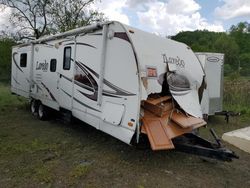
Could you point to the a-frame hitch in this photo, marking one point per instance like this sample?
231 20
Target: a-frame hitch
194 144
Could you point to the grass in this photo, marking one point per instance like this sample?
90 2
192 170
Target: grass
236 95
37 153
8 100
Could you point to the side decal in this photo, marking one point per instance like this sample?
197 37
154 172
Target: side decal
97 34
118 90
81 43
15 80
84 78
122 35
51 95
83 104
13 56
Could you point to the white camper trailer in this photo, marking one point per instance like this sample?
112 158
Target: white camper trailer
212 99
113 77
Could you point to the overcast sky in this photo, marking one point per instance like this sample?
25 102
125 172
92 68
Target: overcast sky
168 17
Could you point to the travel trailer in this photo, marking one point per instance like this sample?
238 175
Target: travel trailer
120 80
212 98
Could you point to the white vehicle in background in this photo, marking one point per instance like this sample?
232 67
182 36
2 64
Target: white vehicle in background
212 99
123 81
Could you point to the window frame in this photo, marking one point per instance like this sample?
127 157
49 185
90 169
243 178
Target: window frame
22 63
65 58
53 61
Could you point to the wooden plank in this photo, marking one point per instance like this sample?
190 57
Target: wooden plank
158 100
143 130
186 121
199 125
170 128
158 138
160 109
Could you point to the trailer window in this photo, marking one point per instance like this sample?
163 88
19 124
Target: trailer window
67 58
23 60
53 65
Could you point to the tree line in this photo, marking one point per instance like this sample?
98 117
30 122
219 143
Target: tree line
235 44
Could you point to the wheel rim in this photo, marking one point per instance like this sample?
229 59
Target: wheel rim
33 108
40 111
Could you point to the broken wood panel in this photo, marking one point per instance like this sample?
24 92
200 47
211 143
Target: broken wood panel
186 121
158 138
158 110
158 100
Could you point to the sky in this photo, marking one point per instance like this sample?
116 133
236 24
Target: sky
168 17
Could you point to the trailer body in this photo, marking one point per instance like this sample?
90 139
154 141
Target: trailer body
112 76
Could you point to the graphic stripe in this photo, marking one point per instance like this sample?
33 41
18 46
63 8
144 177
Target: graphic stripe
118 91
51 95
15 80
81 43
86 105
13 56
122 35
83 104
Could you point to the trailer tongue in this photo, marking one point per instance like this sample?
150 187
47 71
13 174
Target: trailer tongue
170 128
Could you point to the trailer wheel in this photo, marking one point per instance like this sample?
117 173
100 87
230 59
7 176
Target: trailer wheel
33 106
42 112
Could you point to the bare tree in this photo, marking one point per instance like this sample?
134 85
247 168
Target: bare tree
29 15
70 14
39 17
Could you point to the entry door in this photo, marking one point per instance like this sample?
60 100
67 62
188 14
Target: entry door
65 77
22 59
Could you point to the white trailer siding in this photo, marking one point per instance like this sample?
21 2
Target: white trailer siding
99 75
155 53
45 82
20 73
150 51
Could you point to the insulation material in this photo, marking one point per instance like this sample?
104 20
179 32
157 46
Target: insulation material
239 138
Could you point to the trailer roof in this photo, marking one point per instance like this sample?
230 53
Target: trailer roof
81 30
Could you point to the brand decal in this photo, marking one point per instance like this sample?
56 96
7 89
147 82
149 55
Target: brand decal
172 60
151 72
213 59
42 66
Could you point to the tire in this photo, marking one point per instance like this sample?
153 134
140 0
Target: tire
42 112
33 107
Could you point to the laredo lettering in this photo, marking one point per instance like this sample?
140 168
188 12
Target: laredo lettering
177 61
42 66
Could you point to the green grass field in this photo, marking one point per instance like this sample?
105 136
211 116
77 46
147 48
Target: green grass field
237 95
37 153
8 100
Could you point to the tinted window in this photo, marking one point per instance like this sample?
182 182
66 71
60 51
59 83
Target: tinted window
67 58
23 60
53 65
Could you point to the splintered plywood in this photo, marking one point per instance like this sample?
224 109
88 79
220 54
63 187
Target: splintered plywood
159 109
187 121
239 138
158 138
158 100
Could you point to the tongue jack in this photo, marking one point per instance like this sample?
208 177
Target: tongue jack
217 139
